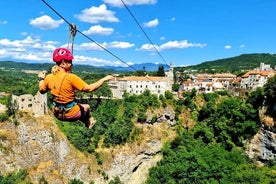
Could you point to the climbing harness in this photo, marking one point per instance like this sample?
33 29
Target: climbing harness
61 109
72 33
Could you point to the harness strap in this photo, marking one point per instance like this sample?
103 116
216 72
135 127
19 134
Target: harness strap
68 106
61 109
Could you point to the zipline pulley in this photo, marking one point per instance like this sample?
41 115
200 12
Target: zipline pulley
72 33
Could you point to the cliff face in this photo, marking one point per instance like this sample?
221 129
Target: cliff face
36 144
262 147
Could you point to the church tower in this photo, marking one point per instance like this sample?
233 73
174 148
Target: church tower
170 77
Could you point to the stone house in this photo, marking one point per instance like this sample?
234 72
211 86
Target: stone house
207 83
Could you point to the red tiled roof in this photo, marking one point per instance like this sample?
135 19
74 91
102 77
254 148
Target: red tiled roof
256 72
137 78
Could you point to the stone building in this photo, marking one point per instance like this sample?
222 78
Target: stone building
36 104
257 77
137 84
206 83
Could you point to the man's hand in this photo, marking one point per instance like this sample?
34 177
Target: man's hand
41 75
108 77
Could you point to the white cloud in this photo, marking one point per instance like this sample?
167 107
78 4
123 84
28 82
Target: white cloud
46 23
24 33
26 49
172 19
171 45
152 23
242 46
228 47
88 46
148 47
97 14
4 22
106 45
163 38
32 49
118 3
99 30
121 45
96 61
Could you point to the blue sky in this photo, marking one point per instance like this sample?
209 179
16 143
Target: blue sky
185 32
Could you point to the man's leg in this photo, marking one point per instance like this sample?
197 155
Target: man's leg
86 117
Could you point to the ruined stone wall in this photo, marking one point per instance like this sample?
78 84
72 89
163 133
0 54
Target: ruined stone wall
3 108
27 102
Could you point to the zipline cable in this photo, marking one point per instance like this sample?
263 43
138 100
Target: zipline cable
89 37
94 40
144 32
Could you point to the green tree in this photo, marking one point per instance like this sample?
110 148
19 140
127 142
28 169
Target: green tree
15 177
160 71
256 98
234 121
175 87
270 96
103 91
12 106
76 181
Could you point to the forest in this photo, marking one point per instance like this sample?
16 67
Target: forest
212 151
235 65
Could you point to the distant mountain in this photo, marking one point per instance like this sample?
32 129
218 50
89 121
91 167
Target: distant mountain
47 66
85 68
242 62
238 63
144 66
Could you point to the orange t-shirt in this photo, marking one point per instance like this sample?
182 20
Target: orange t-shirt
62 86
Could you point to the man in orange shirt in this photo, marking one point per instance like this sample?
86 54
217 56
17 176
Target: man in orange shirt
62 85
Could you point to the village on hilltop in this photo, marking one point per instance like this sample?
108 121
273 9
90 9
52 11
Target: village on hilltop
207 83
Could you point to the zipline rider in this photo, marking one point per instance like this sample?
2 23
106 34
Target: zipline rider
62 85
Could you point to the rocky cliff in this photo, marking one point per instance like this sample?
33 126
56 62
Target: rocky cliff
36 144
262 147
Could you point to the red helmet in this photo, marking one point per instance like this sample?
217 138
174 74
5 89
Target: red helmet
62 53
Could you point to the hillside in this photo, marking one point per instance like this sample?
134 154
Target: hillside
37 145
242 62
82 68
169 145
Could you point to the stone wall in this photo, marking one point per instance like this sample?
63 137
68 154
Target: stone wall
3 108
27 102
